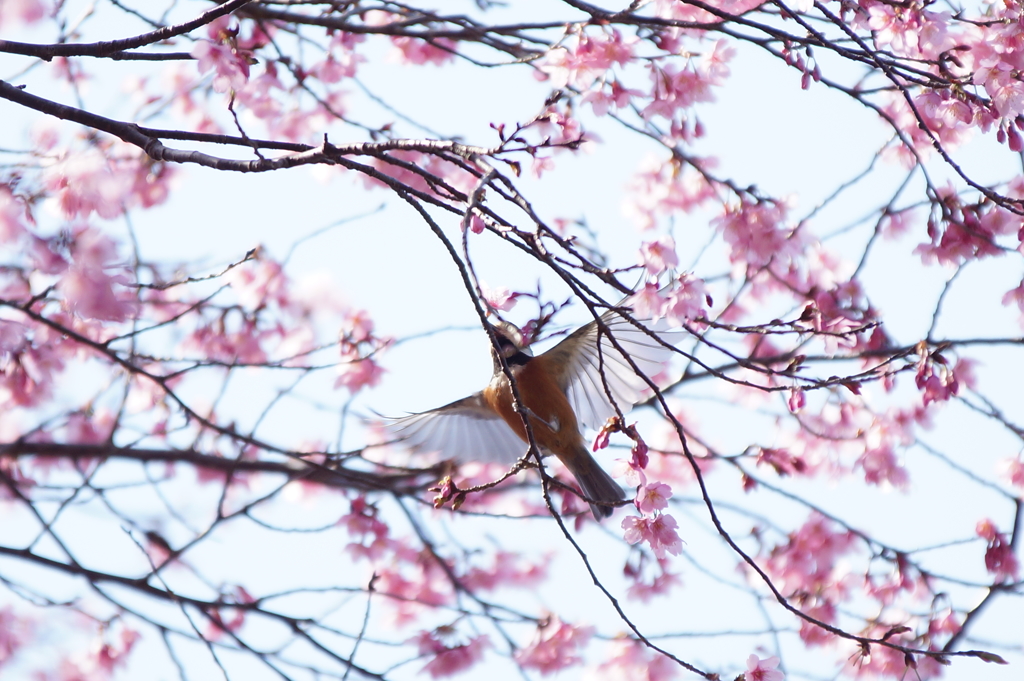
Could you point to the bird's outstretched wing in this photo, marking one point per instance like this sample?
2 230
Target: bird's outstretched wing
588 361
465 430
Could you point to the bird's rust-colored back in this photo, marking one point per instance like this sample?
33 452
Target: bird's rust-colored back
554 425
552 419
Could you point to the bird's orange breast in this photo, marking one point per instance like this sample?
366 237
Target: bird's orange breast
552 419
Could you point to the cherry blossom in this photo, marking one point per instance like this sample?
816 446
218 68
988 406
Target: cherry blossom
631 659
509 569
653 497
759 669
500 298
90 289
659 255
808 560
11 216
1000 559
342 61
415 51
936 378
688 300
21 11
356 373
660 585
588 59
555 646
658 531
449 658
613 94
782 461
880 465
648 302
757 234
223 55
1012 470
86 182
14 633
661 188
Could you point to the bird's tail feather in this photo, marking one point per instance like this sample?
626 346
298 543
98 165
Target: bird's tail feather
596 484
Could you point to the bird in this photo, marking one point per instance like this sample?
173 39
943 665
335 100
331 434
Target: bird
577 383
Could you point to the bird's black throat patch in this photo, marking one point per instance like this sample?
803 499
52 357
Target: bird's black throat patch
518 359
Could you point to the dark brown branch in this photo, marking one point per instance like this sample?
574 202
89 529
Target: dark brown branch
344 478
108 48
304 154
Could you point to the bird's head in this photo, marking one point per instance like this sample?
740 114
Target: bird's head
511 345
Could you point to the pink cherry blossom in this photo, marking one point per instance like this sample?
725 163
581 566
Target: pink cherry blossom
580 64
1012 470
94 284
757 234
82 182
447 656
258 283
763 669
631 659
224 621
880 464
555 646
658 585
612 94
260 96
558 125
886 588
1015 296
648 302
509 569
638 452
229 64
652 496
93 428
28 366
687 300
499 298
438 51
808 560
14 632
662 187
362 518
658 531
935 378
476 224
422 584
356 373
675 88
659 255
630 472
12 216
782 461
823 610
541 164
357 327
21 11
113 655
1002 83
1000 559
342 60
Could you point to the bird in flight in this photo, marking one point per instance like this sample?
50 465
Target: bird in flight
577 383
